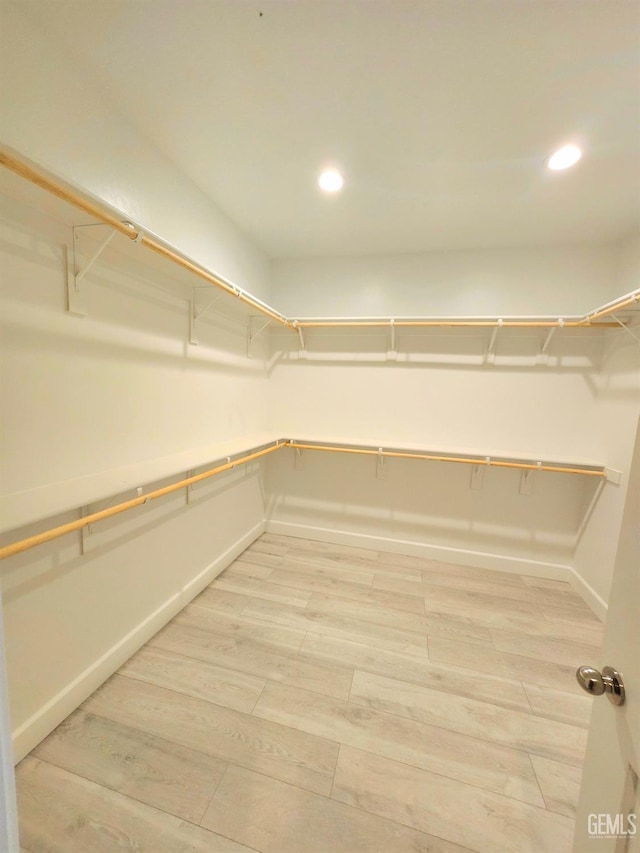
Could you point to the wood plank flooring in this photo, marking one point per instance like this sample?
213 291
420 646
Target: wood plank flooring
324 699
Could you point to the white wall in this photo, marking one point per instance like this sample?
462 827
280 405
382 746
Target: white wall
554 280
115 387
429 509
121 385
81 396
614 422
628 264
55 114
536 411
582 405
541 412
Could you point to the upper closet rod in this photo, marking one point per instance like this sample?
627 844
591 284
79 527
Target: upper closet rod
467 322
570 321
100 210
109 216
78 524
619 304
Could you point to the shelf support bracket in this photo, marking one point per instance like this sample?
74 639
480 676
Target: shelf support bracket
252 335
87 531
301 337
196 313
80 273
527 476
490 355
298 460
381 465
543 355
76 297
188 492
392 354
477 477
193 321
625 327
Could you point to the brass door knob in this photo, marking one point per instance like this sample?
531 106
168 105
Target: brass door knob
596 683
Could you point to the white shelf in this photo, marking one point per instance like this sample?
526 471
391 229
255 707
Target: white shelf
440 450
25 507
27 182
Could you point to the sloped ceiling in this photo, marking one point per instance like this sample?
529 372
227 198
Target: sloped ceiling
440 113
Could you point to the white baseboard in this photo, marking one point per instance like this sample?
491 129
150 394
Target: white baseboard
40 724
588 594
459 556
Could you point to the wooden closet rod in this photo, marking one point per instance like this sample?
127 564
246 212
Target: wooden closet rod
618 305
101 211
523 324
78 524
41 179
430 457
63 529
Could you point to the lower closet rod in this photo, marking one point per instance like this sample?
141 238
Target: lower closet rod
63 529
494 463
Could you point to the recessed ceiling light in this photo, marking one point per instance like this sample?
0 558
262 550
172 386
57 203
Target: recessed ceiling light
331 181
564 157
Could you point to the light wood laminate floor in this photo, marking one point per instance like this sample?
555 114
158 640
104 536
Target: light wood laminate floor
324 699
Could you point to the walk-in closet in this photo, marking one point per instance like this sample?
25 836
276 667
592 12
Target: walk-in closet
319 426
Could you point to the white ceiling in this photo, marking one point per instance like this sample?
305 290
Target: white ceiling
440 113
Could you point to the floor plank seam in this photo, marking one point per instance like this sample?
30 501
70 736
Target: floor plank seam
301 644
431 834
133 799
266 681
206 755
211 798
361 630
